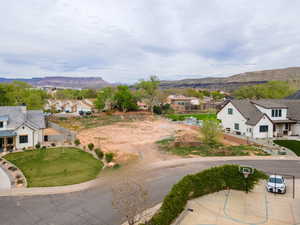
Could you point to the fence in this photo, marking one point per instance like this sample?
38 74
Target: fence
67 135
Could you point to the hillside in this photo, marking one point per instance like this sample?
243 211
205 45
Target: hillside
70 82
238 80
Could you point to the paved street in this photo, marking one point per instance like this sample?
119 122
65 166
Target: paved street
93 206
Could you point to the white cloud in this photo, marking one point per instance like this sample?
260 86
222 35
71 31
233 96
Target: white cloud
127 40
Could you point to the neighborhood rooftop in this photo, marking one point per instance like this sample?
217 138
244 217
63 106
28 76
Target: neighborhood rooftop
18 115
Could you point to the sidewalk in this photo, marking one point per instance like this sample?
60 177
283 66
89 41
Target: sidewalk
4 180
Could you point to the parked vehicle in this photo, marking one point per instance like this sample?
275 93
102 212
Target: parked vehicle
276 184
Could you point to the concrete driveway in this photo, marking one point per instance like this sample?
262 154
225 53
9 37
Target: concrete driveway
4 180
236 208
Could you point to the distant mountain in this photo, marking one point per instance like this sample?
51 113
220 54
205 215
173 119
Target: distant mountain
69 82
238 80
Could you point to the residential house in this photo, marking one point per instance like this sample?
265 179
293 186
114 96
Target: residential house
181 103
266 118
69 106
20 128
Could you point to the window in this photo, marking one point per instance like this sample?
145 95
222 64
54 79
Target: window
230 111
276 113
1 124
46 138
23 139
263 128
236 126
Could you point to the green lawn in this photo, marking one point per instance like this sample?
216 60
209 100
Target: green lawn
202 116
56 166
290 144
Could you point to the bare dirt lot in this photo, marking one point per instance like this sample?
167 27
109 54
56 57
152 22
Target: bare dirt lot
135 138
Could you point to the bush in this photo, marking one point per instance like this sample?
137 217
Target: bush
38 146
109 157
91 146
197 185
99 153
77 142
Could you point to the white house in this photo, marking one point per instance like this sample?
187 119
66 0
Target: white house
20 128
69 106
266 118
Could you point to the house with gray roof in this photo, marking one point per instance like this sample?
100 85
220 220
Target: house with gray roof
266 118
20 128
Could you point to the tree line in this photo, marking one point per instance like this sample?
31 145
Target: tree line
19 93
269 90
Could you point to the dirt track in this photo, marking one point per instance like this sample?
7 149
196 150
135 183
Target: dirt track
134 138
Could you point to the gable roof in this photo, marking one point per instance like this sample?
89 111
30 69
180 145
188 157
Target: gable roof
248 110
18 115
269 103
294 96
253 115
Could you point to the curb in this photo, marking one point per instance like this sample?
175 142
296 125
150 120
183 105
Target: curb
34 191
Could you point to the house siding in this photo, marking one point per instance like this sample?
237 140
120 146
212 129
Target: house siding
269 113
228 121
263 122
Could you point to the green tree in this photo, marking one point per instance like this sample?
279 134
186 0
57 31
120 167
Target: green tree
105 99
124 99
149 91
211 131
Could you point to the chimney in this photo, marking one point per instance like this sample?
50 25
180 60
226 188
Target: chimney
23 108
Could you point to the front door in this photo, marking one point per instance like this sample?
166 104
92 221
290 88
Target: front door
1 144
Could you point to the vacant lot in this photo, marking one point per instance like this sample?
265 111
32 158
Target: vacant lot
56 167
290 144
135 138
81 123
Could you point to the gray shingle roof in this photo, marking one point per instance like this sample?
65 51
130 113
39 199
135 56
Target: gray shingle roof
18 115
248 110
269 103
253 115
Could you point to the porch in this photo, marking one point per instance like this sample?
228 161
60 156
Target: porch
283 128
7 140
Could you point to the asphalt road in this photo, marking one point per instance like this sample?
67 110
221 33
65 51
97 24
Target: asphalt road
93 206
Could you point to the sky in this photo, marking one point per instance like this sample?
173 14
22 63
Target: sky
128 40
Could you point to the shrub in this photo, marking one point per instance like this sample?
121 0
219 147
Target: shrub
91 146
99 153
12 168
44 147
77 142
38 146
20 181
109 157
196 185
